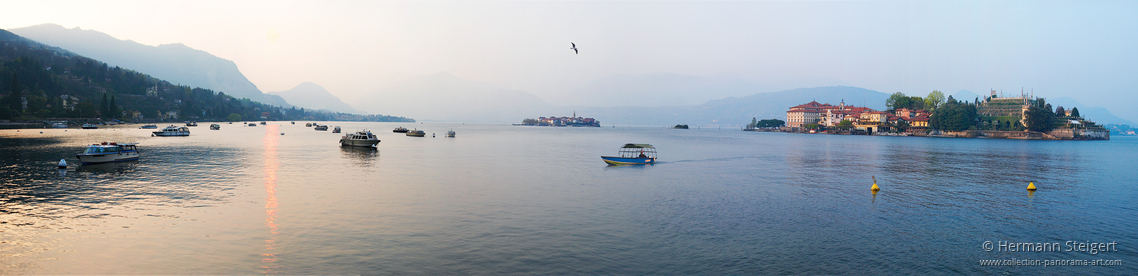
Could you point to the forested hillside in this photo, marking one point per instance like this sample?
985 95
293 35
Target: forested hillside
40 82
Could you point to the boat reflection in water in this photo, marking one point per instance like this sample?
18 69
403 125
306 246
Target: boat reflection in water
360 156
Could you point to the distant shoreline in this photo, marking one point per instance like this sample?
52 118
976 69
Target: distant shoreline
1058 134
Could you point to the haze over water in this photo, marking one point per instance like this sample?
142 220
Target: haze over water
533 200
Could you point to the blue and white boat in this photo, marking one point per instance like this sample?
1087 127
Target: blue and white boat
108 152
173 131
633 154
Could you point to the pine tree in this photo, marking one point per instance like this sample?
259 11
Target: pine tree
113 108
1075 112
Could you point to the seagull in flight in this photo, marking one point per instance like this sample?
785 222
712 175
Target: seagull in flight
574 47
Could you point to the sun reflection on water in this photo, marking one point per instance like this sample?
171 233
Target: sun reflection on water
269 257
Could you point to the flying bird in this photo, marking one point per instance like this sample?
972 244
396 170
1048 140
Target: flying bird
574 47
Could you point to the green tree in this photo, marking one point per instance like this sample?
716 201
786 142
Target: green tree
1039 118
1060 112
86 110
916 103
934 100
233 117
846 125
897 101
754 123
114 109
771 123
953 116
1075 112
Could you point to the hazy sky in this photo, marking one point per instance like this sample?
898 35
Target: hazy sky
1080 49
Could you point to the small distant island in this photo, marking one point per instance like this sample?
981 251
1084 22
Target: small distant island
562 121
680 127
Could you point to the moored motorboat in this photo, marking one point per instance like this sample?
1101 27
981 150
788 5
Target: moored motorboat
252 124
400 130
321 127
633 154
450 134
191 123
336 129
308 125
173 131
359 139
215 127
149 126
262 123
416 133
108 152
90 126
59 125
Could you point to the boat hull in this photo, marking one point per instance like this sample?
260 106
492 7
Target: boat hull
628 161
171 134
87 159
358 143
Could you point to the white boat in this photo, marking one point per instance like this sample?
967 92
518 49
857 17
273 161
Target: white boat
336 129
173 131
108 152
450 134
90 126
359 139
148 126
59 125
321 127
215 127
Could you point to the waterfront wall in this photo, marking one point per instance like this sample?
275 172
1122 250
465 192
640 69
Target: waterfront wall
1080 134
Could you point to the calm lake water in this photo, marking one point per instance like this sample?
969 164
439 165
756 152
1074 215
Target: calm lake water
502 199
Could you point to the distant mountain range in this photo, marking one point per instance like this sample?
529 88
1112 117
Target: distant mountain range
734 111
175 63
313 96
444 97
656 90
660 99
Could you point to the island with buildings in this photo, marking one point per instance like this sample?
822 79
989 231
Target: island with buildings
562 121
995 116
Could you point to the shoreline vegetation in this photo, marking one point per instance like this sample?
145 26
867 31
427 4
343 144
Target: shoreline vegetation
996 116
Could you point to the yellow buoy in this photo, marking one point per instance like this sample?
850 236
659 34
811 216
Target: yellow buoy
874 188
1031 186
